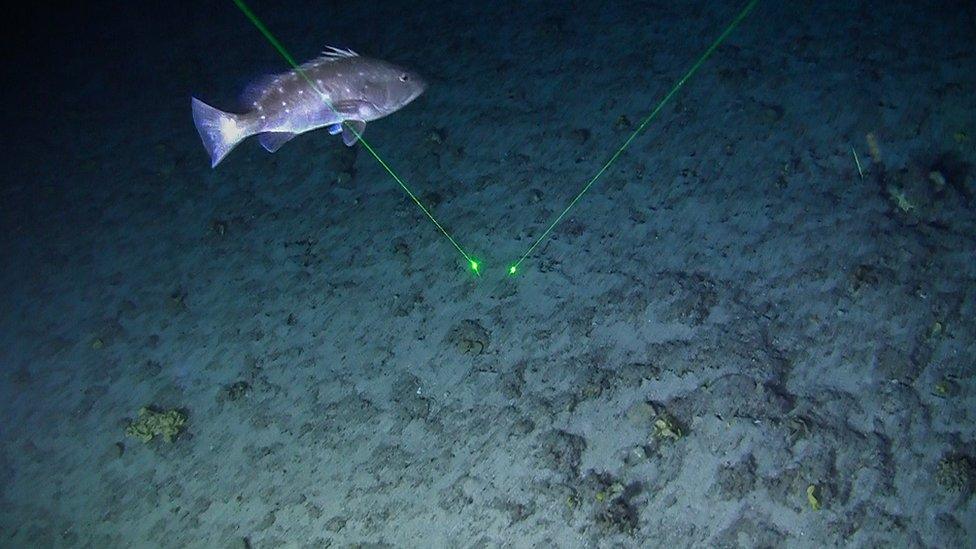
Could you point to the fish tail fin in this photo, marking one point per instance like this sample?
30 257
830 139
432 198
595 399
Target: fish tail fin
220 131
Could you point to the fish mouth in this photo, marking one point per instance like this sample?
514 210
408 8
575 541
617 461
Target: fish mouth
421 88
415 93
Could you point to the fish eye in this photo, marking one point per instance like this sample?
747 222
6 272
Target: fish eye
404 78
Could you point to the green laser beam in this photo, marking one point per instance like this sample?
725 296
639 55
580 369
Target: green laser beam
694 68
857 161
472 264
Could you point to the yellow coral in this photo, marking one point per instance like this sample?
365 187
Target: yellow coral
901 200
813 497
151 423
873 149
666 428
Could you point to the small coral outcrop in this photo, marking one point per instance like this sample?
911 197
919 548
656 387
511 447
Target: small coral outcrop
152 423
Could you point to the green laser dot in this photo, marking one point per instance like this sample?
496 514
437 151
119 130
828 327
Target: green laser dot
474 265
511 270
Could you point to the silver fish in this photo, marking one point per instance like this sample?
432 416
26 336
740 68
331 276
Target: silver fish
340 90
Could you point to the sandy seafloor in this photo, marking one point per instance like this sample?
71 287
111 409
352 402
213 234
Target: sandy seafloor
348 383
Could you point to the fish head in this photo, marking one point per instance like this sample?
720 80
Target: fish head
390 87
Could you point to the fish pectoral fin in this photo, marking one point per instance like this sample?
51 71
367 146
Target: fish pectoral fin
347 108
272 141
352 130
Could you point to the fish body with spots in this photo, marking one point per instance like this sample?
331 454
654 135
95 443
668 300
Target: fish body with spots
341 91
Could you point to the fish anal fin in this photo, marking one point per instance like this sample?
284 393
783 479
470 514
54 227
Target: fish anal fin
272 141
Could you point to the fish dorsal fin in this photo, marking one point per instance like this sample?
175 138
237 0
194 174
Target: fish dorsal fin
256 89
338 53
330 55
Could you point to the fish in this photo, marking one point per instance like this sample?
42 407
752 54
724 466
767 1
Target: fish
340 90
